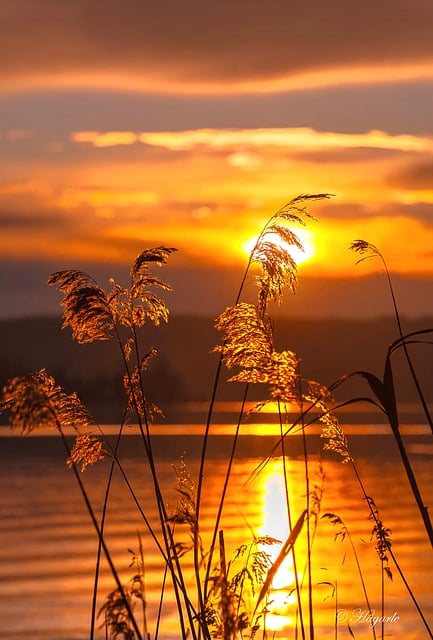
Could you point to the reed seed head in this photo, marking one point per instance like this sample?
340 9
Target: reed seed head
321 397
87 450
248 344
35 400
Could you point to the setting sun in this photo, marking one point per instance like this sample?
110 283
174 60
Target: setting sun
305 237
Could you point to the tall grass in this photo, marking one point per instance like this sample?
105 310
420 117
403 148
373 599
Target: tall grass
229 596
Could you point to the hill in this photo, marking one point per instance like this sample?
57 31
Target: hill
185 367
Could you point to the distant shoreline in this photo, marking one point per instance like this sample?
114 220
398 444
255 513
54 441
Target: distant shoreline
174 445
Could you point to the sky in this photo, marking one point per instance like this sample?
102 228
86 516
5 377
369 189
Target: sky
188 123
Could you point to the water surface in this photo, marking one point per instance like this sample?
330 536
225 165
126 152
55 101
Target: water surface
48 545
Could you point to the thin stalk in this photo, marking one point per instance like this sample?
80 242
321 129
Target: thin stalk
241 590
290 523
298 421
136 501
388 407
414 485
405 349
101 538
387 403
102 526
371 251
310 581
308 505
200 480
161 601
382 600
391 553
223 581
146 634
224 490
336 612
141 512
177 577
361 577
203 453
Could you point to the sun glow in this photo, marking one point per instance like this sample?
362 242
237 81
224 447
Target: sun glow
305 237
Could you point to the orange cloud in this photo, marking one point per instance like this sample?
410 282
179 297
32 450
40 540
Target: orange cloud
289 138
109 139
242 141
416 176
184 45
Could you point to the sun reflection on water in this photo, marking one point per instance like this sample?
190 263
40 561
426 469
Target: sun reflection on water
281 605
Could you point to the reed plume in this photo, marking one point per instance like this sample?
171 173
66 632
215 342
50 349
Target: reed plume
35 401
93 313
248 345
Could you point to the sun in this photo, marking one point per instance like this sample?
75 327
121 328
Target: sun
305 237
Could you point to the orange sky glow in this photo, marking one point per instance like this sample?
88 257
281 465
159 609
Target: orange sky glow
209 191
196 146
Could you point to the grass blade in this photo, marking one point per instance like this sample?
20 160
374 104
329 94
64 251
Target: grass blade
285 550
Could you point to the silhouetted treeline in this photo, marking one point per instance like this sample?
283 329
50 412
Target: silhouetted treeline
184 368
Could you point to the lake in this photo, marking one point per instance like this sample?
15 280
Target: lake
48 545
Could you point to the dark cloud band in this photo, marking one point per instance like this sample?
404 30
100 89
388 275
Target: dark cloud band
195 42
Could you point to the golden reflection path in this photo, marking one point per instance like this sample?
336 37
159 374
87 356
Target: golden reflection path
280 614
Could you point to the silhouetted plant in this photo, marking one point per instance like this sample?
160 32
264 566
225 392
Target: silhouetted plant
341 534
369 251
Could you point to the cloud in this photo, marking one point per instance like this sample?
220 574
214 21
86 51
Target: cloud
288 138
311 140
91 222
417 211
32 222
333 210
397 108
104 196
416 177
109 139
25 209
421 211
207 46
347 155
245 160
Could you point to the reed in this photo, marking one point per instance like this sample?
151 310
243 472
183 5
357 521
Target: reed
230 595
